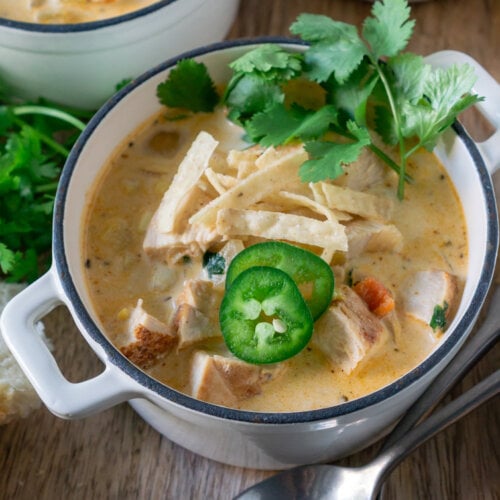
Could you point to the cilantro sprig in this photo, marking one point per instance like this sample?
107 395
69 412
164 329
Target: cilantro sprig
35 140
364 86
189 86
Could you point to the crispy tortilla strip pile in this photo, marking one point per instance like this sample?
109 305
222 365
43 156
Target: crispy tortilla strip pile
254 195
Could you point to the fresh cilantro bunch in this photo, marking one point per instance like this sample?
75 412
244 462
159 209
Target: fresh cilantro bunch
35 140
362 85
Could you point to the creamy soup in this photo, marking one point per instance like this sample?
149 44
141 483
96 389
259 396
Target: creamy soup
158 303
68 11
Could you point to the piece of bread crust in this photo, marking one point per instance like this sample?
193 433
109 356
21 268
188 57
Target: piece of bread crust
17 396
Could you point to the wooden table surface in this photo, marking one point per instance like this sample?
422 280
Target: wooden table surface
115 454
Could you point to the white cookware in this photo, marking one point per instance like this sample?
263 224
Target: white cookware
81 64
241 438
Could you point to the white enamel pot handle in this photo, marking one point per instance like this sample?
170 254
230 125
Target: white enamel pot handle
485 86
63 398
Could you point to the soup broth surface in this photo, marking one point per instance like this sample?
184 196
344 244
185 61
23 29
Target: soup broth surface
68 11
119 272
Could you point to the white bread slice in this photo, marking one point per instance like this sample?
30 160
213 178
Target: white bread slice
17 396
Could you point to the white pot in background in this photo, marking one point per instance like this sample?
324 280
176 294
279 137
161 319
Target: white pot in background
81 64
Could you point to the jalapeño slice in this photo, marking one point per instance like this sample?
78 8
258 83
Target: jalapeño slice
263 316
311 273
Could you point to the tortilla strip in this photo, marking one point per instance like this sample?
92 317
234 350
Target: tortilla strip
327 254
317 192
298 200
190 170
270 155
319 197
279 226
244 161
270 178
365 205
220 182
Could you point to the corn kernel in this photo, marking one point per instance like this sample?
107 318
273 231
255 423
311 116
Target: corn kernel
123 314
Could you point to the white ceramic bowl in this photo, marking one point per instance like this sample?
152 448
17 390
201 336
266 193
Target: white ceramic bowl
81 64
242 438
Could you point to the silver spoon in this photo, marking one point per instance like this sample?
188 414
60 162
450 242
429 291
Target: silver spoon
321 482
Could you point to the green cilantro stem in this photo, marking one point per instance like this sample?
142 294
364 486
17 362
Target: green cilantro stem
53 112
377 151
47 188
413 149
397 126
390 162
58 148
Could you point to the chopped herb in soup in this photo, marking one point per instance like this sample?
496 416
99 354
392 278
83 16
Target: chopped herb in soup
225 264
68 11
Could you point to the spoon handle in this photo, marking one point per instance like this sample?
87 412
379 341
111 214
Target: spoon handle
442 418
475 348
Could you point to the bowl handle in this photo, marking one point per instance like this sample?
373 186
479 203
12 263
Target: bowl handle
485 86
63 398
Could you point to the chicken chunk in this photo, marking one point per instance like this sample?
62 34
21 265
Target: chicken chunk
148 338
372 236
348 332
354 202
225 380
364 173
172 247
197 313
425 291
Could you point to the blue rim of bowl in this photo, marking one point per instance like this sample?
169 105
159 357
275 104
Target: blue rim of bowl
87 26
144 380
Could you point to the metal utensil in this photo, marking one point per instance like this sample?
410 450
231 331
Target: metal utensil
321 482
477 346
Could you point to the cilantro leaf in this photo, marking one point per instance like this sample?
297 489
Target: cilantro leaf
25 268
339 58
327 158
318 28
438 320
406 74
257 80
447 93
335 47
409 74
7 259
384 125
250 95
189 86
445 87
389 30
351 97
214 263
279 125
270 62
